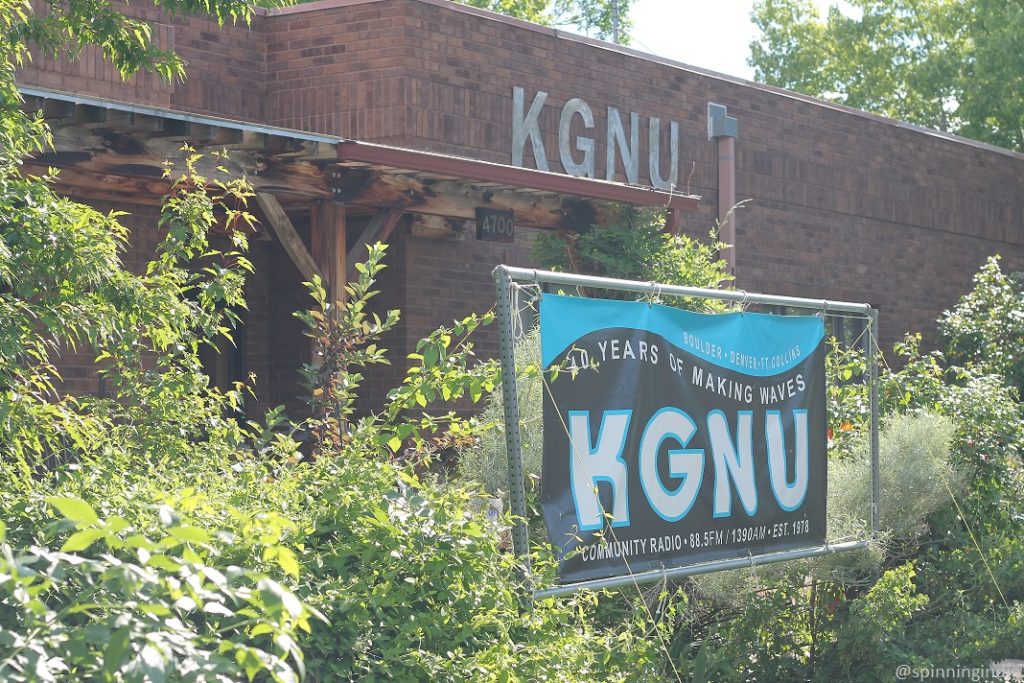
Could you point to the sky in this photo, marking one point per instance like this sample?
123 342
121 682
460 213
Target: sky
711 34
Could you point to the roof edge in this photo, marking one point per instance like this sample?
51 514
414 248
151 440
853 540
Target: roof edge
103 103
561 34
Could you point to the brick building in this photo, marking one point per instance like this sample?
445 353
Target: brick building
462 107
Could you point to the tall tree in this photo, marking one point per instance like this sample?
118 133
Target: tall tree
597 17
953 65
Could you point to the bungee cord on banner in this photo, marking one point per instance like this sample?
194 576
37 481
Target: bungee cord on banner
510 312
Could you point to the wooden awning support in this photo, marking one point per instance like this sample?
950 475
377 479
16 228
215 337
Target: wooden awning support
379 229
329 228
116 151
290 240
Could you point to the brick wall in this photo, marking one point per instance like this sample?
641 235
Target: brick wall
339 71
225 66
841 204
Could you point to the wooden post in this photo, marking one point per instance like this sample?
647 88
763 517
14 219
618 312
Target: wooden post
329 246
379 230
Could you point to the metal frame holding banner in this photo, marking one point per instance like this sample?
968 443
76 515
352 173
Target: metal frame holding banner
676 443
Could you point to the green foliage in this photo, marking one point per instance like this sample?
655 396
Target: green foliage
985 331
485 462
417 588
589 16
874 639
410 574
948 65
171 600
917 477
64 287
848 409
114 603
635 246
344 338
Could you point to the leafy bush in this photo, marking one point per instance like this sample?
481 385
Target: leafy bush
141 608
917 474
633 245
485 461
874 639
986 328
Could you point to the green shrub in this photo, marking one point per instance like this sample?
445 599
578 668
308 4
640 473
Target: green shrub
985 330
874 639
485 462
633 245
917 476
114 603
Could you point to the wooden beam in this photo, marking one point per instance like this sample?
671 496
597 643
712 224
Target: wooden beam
104 187
379 229
673 221
58 109
488 172
329 229
290 240
368 187
141 151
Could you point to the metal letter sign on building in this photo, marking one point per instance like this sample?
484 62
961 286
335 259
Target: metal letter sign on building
526 128
673 438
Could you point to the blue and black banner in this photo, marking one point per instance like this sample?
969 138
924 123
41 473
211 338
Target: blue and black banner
673 438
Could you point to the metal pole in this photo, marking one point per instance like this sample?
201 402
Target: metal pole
876 477
724 130
679 572
513 440
737 296
727 198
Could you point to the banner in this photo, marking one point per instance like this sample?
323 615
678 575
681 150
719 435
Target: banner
673 438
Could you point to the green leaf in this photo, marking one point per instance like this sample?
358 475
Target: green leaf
260 629
140 541
74 509
80 540
160 561
189 534
287 561
113 655
380 515
116 524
